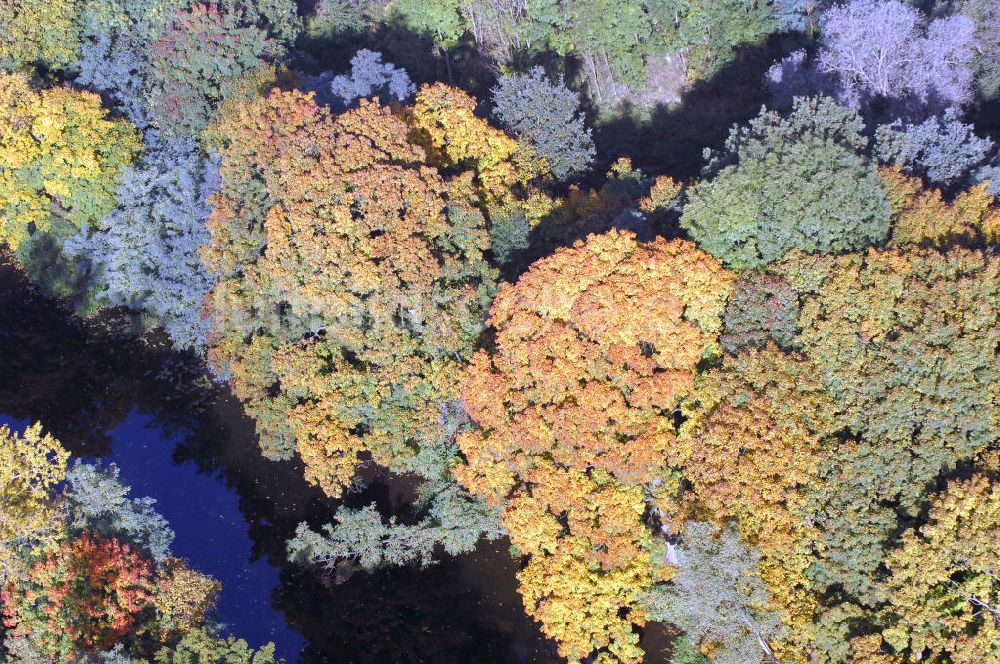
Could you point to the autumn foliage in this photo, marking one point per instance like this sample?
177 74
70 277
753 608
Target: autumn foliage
352 278
60 157
443 121
762 405
197 62
923 218
907 346
183 597
83 568
751 450
595 347
44 32
944 587
88 594
32 465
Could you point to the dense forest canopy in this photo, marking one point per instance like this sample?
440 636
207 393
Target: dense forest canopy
696 305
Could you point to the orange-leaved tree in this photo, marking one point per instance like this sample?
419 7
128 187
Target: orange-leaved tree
87 595
353 284
595 347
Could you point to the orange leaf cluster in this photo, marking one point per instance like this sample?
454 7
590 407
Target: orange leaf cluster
595 347
662 195
353 284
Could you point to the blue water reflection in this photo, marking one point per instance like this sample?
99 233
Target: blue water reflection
211 532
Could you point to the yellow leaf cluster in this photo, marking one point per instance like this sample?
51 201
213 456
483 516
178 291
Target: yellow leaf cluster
238 93
38 32
59 156
31 465
583 607
870 649
184 596
443 120
944 587
923 218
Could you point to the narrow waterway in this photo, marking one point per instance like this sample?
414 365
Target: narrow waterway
180 439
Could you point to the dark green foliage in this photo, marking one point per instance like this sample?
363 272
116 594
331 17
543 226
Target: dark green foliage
686 652
618 43
762 307
709 31
835 625
509 234
280 18
796 182
57 272
547 114
333 20
800 15
438 20
624 36
613 37
986 63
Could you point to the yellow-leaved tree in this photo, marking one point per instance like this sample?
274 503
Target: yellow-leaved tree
31 465
944 588
444 122
921 217
60 158
38 32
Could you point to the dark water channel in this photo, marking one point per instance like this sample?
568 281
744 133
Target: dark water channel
110 397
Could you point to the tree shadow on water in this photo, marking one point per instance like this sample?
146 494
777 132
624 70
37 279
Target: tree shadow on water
83 377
